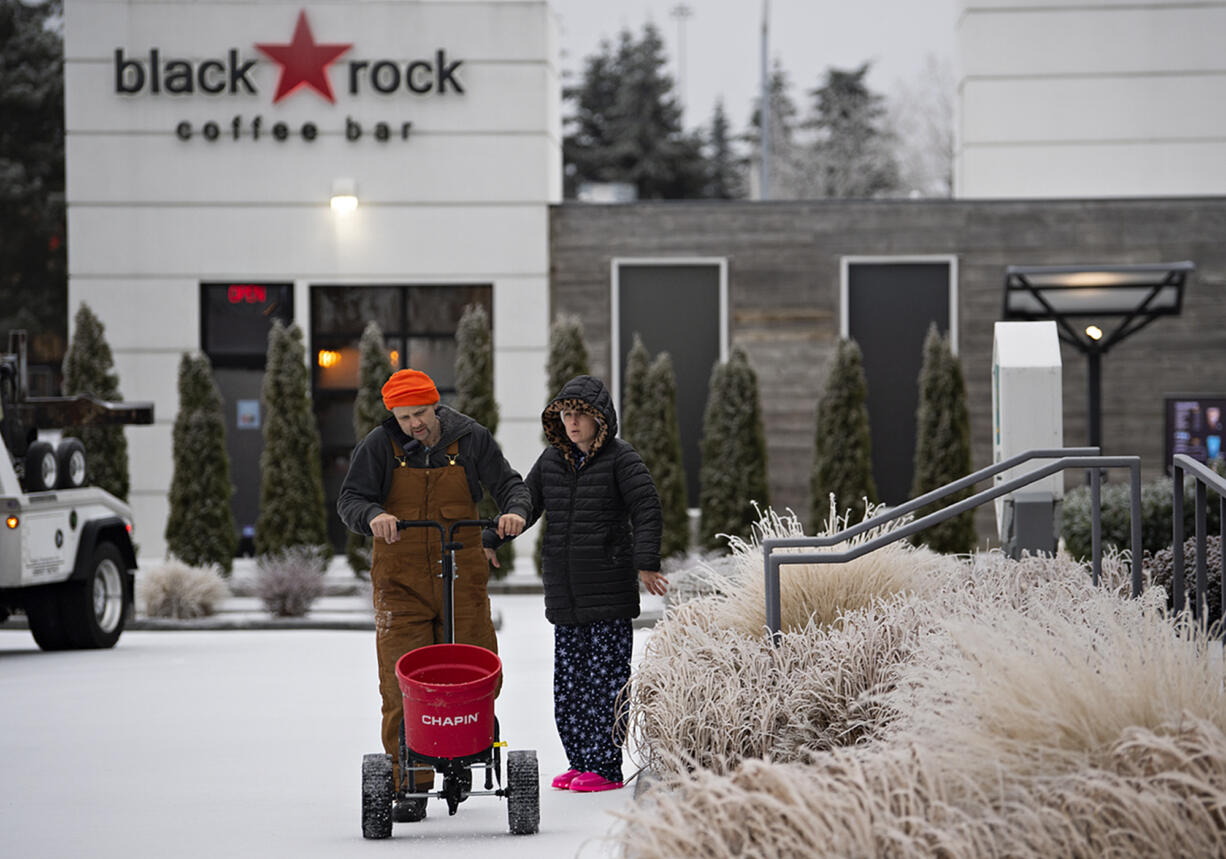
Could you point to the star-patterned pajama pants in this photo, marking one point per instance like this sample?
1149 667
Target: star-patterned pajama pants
591 664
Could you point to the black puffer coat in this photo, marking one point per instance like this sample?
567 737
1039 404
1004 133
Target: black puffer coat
591 553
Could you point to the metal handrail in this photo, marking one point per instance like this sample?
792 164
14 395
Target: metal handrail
1205 478
1094 463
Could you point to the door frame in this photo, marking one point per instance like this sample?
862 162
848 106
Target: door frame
846 262
615 265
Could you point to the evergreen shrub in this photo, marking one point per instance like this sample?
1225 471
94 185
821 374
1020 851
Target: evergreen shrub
842 454
200 527
1157 516
89 369
291 476
733 473
474 372
374 368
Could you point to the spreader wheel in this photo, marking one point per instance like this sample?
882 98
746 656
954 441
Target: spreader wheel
377 791
523 793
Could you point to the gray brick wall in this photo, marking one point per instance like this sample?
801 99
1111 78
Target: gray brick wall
783 271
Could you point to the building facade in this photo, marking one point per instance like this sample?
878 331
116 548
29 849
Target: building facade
205 141
1092 98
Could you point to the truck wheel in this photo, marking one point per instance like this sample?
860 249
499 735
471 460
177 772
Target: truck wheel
377 796
85 615
524 796
42 470
70 457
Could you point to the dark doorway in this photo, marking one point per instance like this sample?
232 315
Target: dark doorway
676 308
234 322
888 308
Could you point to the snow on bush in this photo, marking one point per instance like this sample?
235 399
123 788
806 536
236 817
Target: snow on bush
958 707
290 580
178 590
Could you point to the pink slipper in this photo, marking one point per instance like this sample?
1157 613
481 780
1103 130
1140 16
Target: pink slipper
592 782
562 782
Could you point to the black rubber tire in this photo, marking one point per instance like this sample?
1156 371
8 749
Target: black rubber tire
84 615
70 457
377 794
42 469
524 792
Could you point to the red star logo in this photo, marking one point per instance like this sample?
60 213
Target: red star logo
304 62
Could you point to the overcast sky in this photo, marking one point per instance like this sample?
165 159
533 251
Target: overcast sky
722 42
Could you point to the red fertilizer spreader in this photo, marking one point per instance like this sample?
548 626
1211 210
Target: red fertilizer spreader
449 725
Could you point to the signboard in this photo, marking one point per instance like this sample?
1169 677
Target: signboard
1194 426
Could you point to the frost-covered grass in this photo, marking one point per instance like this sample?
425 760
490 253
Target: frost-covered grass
289 581
930 706
178 590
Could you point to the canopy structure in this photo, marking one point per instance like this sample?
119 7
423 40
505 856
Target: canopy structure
1095 307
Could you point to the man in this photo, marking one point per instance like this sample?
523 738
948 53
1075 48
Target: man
427 461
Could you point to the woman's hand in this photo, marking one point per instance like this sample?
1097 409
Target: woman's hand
655 582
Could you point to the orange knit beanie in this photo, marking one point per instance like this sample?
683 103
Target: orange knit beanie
409 388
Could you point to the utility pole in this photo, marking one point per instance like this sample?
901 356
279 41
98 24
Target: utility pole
681 12
764 110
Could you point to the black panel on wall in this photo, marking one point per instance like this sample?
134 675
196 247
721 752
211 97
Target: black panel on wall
889 309
675 309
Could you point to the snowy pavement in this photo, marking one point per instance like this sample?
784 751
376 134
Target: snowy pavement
249 743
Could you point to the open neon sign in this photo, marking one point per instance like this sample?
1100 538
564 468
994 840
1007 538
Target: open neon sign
247 293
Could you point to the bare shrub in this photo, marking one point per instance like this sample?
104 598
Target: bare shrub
290 580
178 590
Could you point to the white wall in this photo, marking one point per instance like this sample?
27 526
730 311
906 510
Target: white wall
1093 98
463 200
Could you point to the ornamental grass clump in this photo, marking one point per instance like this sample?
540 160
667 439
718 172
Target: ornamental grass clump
1013 709
290 580
178 590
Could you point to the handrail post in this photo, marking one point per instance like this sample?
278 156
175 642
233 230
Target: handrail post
1096 526
770 568
1134 472
1202 577
1181 601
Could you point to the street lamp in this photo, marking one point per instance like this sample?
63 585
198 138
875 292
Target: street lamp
1094 296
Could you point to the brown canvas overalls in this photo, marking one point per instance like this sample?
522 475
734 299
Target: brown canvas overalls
408 588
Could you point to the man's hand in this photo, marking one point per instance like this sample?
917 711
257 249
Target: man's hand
655 582
491 556
384 526
510 525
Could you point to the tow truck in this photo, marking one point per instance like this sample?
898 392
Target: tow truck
66 554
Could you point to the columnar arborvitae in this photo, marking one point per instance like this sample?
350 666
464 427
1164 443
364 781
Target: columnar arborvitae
842 451
567 358
374 368
474 380
200 527
943 443
733 448
89 369
291 479
660 448
634 394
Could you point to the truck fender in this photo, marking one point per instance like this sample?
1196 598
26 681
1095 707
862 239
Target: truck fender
110 529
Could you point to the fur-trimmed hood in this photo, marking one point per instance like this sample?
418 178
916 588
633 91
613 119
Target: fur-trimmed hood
582 393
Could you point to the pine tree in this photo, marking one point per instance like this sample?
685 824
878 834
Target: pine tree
854 156
200 528
374 368
633 417
567 358
474 373
725 169
33 279
291 479
733 447
943 443
660 448
842 453
626 125
89 369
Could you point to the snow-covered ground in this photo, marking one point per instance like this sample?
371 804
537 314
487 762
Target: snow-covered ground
249 743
